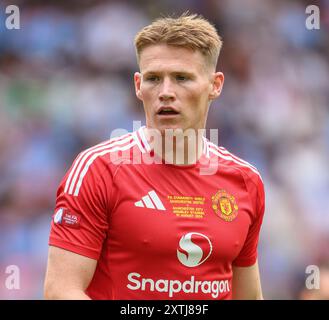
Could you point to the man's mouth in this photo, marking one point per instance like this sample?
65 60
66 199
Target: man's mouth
167 111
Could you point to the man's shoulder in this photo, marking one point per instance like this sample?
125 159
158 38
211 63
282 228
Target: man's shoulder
109 151
229 159
91 163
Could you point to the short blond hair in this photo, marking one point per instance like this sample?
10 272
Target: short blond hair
188 31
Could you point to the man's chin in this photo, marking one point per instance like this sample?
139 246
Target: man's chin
169 127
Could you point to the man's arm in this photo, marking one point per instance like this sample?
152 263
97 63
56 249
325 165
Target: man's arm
68 275
246 283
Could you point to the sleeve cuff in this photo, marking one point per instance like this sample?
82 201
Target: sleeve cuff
87 252
246 262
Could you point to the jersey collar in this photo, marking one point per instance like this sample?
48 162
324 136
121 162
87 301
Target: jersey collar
145 147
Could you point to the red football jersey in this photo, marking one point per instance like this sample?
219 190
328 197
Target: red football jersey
159 231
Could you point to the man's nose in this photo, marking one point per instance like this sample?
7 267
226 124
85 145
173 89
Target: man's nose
166 90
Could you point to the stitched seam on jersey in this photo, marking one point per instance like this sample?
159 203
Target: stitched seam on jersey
82 156
144 139
218 153
259 198
114 177
138 142
206 147
235 159
79 176
109 208
225 152
89 163
85 160
98 180
235 165
239 167
256 185
244 180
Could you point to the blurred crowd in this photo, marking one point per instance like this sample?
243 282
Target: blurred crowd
66 82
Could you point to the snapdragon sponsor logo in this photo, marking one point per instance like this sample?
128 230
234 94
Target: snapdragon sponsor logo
194 249
172 287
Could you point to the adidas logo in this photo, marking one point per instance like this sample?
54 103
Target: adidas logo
150 201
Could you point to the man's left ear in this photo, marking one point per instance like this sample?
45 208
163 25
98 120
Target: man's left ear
217 85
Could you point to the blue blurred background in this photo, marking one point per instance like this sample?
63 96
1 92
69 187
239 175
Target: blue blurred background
66 82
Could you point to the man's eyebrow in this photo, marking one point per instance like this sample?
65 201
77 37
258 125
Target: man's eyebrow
146 73
151 72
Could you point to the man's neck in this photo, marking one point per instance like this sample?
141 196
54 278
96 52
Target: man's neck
175 146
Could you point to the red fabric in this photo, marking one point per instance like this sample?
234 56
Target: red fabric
149 253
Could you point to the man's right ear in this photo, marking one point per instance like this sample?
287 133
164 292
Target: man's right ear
137 82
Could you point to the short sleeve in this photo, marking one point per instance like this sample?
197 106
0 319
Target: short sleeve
80 220
248 254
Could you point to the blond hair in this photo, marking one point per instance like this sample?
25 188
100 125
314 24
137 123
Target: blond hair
189 31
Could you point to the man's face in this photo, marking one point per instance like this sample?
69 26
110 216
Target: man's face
176 87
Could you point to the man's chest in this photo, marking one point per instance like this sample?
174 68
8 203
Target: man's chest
168 212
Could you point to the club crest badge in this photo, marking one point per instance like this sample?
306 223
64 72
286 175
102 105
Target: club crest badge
224 205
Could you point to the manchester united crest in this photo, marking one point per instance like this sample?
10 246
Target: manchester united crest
224 205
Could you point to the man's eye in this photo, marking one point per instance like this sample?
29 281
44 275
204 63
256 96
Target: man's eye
152 78
181 78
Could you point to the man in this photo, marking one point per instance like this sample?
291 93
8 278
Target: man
136 219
